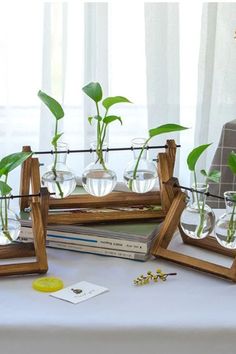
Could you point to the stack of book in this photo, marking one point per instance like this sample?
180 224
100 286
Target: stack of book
131 240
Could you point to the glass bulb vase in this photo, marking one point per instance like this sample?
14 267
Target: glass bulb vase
59 179
9 225
140 174
97 178
225 229
198 219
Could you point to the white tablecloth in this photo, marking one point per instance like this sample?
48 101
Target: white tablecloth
189 313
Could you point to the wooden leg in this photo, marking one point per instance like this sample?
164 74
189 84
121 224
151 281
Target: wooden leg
25 180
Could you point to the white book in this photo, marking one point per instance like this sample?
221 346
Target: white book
98 251
26 234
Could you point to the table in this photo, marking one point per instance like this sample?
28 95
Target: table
189 313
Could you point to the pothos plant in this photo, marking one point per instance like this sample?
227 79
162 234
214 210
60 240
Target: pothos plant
231 230
8 164
162 129
213 175
94 91
58 113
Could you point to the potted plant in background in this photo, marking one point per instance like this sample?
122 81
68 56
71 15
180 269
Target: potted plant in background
225 229
58 179
9 223
98 179
140 174
198 219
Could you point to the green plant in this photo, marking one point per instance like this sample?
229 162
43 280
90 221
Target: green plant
162 129
232 223
8 164
94 91
213 176
57 111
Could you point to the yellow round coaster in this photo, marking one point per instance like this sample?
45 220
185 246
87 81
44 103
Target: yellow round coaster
47 284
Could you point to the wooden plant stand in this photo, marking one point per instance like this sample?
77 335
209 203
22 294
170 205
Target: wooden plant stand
119 205
36 249
177 200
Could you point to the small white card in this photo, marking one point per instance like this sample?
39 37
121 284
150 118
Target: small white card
79 292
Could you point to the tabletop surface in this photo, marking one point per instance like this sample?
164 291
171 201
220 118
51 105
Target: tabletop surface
191 310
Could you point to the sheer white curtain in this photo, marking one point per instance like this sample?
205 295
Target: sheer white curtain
162 66
131 49
217 74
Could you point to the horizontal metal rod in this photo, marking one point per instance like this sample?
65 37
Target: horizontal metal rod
107 149
23 196
208 194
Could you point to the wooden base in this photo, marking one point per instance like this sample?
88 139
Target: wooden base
37 249
169 226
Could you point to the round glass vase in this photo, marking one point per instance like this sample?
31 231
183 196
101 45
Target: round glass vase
97 178
140 174
225 229
59 179
9 224
197 219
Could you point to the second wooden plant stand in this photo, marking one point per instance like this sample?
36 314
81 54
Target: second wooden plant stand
177 200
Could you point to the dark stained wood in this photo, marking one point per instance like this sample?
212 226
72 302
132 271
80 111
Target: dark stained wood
114 199
169 225
25 180
35 178
95 217
44 205
21 250
16 250
39 238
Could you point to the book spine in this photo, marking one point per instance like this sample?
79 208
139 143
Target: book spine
97 250
83 239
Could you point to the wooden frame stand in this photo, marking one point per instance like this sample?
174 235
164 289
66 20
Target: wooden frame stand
171 223
22 250
119 205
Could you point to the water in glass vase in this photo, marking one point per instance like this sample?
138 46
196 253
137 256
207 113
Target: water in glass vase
9 227
59 179
225 229
198 219
142 183
140 174
97 179
62 183
99 182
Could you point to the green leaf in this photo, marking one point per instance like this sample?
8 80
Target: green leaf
94 91
56 138
110 119
4 188
233 197
99 118
232 162
90 120
214 176
194 156
10 162
110 101
52 104
166 128
204 173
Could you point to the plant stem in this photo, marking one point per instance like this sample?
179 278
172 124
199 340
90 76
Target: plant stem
5 204
101 133
55 163
130 183
231 227
200 208
4 218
